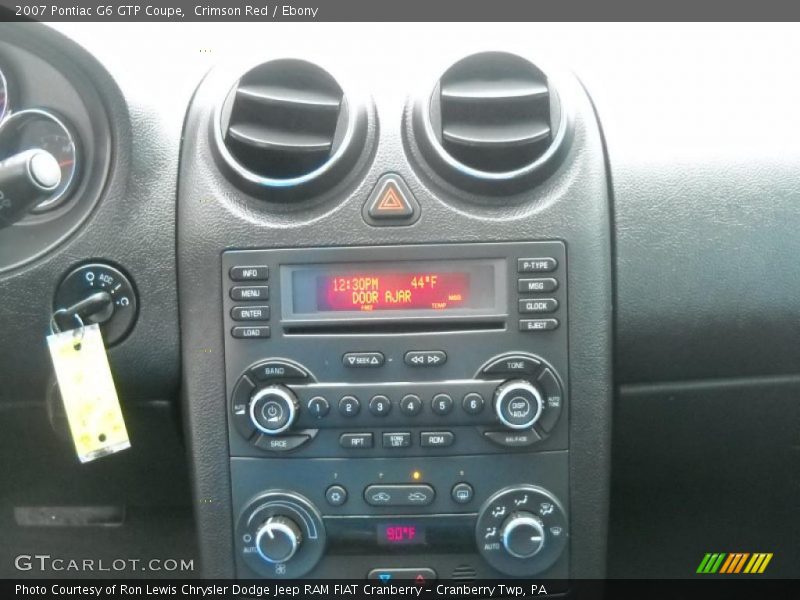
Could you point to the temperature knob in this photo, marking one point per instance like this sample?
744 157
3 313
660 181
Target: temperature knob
518 404
522 531
278 539
273 409
522 535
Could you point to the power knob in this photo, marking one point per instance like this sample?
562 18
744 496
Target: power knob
278 539
273 409
522 535
518 404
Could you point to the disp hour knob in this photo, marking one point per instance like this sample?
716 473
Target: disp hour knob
273 409
518 404
522 535
278 539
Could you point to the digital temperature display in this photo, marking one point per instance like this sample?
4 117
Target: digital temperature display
400 534
393 290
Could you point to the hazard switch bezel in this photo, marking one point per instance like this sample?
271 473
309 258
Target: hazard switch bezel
389 218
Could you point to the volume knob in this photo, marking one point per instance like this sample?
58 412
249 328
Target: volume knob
273 409
278 539
518 404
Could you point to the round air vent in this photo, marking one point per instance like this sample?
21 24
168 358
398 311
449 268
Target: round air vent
287 124
493 119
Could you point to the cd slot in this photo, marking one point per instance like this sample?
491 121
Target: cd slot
377 328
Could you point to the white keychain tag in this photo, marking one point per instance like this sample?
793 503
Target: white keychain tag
87 390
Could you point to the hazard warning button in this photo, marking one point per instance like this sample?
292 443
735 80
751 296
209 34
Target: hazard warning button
391 203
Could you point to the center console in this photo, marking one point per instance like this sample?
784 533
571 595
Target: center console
396 320
410 404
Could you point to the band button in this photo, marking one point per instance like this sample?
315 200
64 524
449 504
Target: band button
272 370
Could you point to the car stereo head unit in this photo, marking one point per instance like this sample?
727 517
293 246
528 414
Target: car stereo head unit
424 394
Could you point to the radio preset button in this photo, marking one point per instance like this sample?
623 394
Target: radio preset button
250 292
250 313
349 406
399 495
410 405
284 443
425 358
397 440
336 495
272 370
355 441
255 273
250 333
442 404
462 493
538 285
473 403
318 407
538 324
536 265
436 439
543 305
362 360
380 406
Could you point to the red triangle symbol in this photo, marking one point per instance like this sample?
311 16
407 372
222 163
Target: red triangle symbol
390 200
419 579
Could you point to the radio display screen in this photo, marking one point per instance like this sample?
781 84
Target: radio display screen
393 290
456 287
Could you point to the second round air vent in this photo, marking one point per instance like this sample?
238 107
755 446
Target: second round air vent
287 124
494 119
